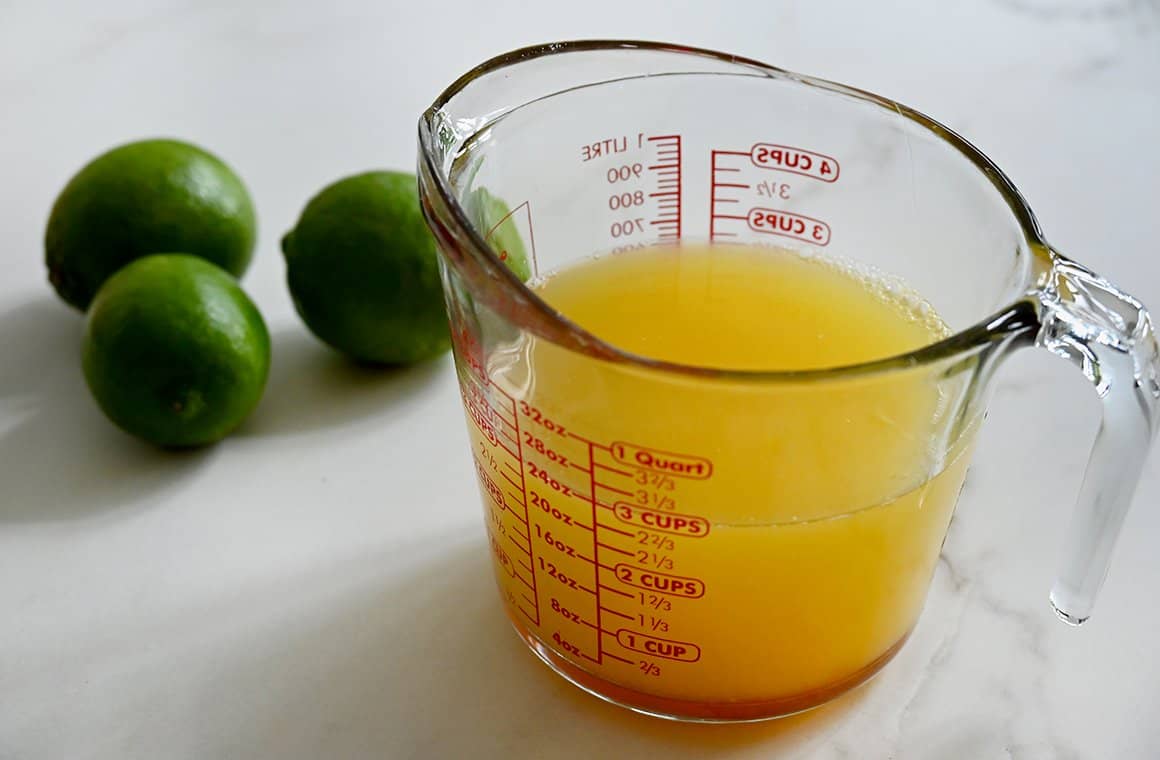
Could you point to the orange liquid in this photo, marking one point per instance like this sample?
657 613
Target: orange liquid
705 547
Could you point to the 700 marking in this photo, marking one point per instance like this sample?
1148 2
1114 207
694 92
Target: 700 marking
627 227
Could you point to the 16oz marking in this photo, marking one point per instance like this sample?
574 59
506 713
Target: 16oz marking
539 445
554 542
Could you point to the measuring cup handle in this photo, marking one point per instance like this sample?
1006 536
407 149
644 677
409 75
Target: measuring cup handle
1108 335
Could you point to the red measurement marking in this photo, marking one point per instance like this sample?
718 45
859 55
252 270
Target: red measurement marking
720 189
613 548
588 441
614 530
505 448
527 208
787 158
675 585
682 651
616 612
522 486
667 522
667 462
617 591
788 224
625 473
595 551
614 489
617 657
667 171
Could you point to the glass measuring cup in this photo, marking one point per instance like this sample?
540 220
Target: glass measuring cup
716 544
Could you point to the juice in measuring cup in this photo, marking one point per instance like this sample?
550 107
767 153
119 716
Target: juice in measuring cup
695 546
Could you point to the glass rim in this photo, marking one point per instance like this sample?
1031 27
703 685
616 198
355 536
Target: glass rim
991 328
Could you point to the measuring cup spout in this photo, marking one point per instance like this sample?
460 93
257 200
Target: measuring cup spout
1107 334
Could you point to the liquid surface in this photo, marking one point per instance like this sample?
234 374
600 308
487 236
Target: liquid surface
742 307
726 549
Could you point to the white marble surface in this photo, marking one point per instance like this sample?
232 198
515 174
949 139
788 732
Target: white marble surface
303 591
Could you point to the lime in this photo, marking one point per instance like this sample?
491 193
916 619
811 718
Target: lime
174 352
363 272
493 219
146 197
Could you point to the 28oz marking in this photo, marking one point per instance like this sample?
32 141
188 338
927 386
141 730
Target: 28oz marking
539 445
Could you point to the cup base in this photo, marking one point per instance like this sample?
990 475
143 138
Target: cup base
703 712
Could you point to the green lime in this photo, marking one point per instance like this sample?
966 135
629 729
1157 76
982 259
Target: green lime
494 220
363 272
146 197
174 351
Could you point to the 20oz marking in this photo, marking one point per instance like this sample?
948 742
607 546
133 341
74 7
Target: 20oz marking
543 503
